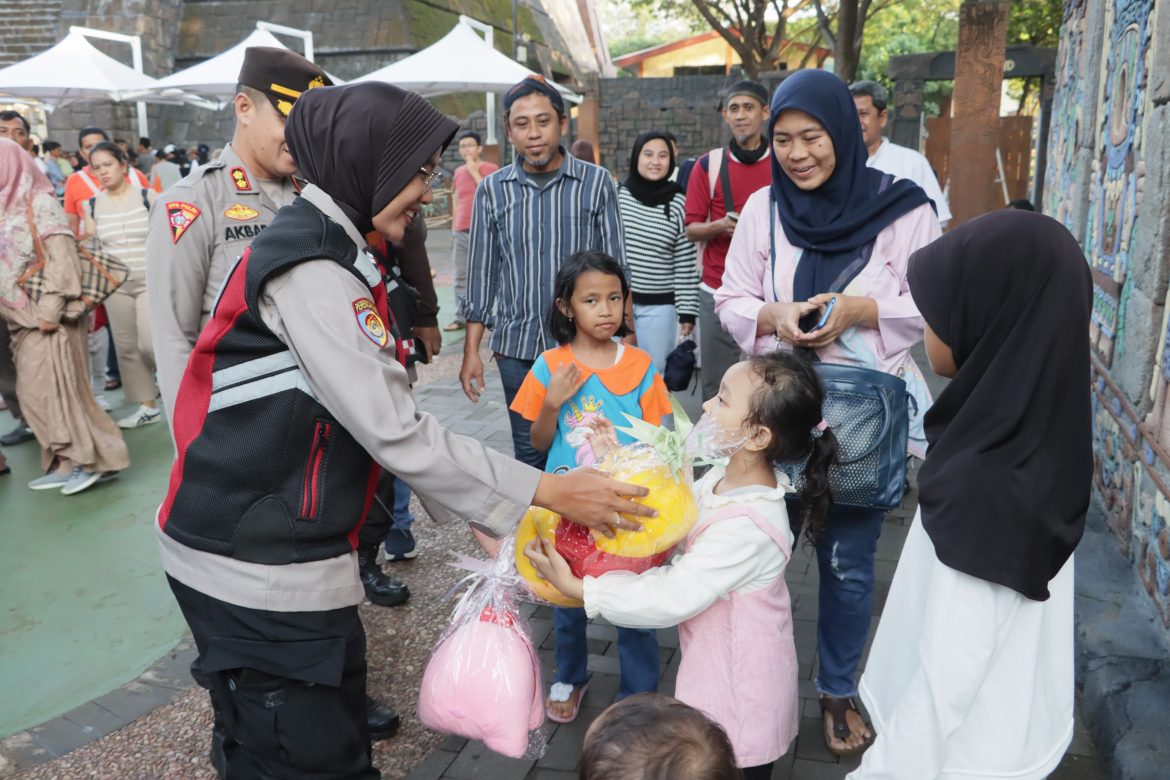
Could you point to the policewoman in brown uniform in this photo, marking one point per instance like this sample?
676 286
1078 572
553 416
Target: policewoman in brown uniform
292 403
201 225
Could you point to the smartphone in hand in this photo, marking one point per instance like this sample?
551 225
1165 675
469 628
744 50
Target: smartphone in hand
825 317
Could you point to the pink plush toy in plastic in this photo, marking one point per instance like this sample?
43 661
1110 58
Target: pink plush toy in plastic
483 679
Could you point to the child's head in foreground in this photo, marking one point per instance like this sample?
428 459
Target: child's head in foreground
649 736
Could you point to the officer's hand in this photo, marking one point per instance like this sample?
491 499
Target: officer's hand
588 497
471 375
430 338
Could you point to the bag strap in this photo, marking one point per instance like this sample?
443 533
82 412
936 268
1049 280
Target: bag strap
725 181
38 247
714 166
145 198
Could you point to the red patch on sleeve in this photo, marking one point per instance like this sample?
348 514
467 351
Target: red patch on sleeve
181 215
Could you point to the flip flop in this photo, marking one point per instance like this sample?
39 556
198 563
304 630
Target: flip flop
558 690
838 707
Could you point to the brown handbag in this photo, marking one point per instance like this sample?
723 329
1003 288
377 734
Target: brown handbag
101 273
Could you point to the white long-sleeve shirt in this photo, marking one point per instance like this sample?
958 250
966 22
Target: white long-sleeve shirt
905 163
732 555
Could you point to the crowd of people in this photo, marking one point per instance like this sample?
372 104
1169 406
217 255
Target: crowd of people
261 316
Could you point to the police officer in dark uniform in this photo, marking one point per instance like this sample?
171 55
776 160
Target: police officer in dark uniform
200 226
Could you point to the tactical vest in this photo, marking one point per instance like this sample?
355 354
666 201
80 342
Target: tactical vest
264 472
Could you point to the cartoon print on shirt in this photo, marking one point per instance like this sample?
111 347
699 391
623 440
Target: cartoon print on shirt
577 421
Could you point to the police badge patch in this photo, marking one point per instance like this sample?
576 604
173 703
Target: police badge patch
181 215
370 323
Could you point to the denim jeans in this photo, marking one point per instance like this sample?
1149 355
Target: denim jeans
403 519
845 559
512 373
460 243
657 328
637 651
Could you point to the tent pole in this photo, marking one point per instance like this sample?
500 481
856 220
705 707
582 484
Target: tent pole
489 97
306 36
136 55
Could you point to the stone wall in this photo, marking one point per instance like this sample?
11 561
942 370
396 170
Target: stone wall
1108 175
684 105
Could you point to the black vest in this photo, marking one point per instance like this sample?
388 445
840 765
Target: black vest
264 472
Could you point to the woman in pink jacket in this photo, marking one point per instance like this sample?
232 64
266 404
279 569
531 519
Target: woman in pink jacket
829 227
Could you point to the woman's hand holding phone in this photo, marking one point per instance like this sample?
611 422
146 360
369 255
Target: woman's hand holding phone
838 314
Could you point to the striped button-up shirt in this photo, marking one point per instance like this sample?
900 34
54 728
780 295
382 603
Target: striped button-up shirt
520 234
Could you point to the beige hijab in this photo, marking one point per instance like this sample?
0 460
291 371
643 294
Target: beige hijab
22 185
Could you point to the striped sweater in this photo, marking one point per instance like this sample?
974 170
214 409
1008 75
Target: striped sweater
662 261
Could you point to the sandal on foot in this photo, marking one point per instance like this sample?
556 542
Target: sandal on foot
838 707
561 693
454 326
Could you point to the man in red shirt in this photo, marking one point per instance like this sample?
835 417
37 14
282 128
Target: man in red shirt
719 186
84 184
467 178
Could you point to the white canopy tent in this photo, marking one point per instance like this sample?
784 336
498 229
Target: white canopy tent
217 77
72 71
460 61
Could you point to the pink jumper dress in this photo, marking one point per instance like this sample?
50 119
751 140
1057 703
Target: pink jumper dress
739 659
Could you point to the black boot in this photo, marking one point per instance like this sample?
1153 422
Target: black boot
382 720
218 756
380 589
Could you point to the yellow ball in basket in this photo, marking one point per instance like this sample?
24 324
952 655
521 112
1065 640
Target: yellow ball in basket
539 521
677 512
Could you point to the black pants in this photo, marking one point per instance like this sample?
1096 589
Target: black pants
288 687
380 519
760 772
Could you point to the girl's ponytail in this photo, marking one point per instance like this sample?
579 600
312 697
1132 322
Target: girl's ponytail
815 495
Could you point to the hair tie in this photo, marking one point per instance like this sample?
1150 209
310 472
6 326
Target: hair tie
819 429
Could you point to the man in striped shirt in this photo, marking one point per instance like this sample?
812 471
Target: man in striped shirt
527 218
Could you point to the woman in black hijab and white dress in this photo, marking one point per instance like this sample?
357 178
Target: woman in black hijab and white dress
971 671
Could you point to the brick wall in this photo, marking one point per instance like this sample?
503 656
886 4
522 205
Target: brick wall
29 27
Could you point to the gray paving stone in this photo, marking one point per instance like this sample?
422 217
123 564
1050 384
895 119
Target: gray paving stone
476 762
135 699
564 749
432 767
94 720
59 736
604 664
803 769
550 774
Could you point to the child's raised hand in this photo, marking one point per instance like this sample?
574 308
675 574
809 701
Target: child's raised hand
603 438
563 385
553 567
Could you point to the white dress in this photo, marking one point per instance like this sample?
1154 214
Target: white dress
967 680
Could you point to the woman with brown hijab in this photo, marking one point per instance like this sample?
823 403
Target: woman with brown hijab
971 671
79 442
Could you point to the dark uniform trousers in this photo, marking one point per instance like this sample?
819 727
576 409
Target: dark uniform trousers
380 520
288 687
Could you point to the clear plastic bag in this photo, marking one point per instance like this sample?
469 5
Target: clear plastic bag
661 460
483 679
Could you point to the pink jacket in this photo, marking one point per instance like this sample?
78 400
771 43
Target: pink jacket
749 282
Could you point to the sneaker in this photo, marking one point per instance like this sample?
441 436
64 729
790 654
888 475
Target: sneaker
399 545
79 480
143 415
103 402
18 435
51 481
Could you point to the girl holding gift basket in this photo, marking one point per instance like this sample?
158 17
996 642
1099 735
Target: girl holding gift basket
726 590
590 377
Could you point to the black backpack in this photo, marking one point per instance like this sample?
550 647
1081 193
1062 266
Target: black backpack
680 366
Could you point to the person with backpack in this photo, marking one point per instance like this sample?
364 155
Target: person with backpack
83 184
118 217
718 187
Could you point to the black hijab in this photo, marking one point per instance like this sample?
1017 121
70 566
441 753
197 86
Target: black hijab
651 193
1005 486
361 143
836 223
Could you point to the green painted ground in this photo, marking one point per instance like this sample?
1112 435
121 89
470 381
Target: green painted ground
84 607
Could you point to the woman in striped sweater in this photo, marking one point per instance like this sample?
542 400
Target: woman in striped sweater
665 277
118 216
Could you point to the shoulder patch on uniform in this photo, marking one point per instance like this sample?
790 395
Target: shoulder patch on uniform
370 323
180 215
240 179
240 212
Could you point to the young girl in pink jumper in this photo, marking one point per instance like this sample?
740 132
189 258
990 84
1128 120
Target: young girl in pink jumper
726 590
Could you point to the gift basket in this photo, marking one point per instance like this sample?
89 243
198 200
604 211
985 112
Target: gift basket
659 459
483 678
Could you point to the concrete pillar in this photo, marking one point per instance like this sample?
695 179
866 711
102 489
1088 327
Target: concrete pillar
975 129
589 118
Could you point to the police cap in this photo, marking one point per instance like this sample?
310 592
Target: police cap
282 75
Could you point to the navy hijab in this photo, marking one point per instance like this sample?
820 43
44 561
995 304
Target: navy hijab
836 223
